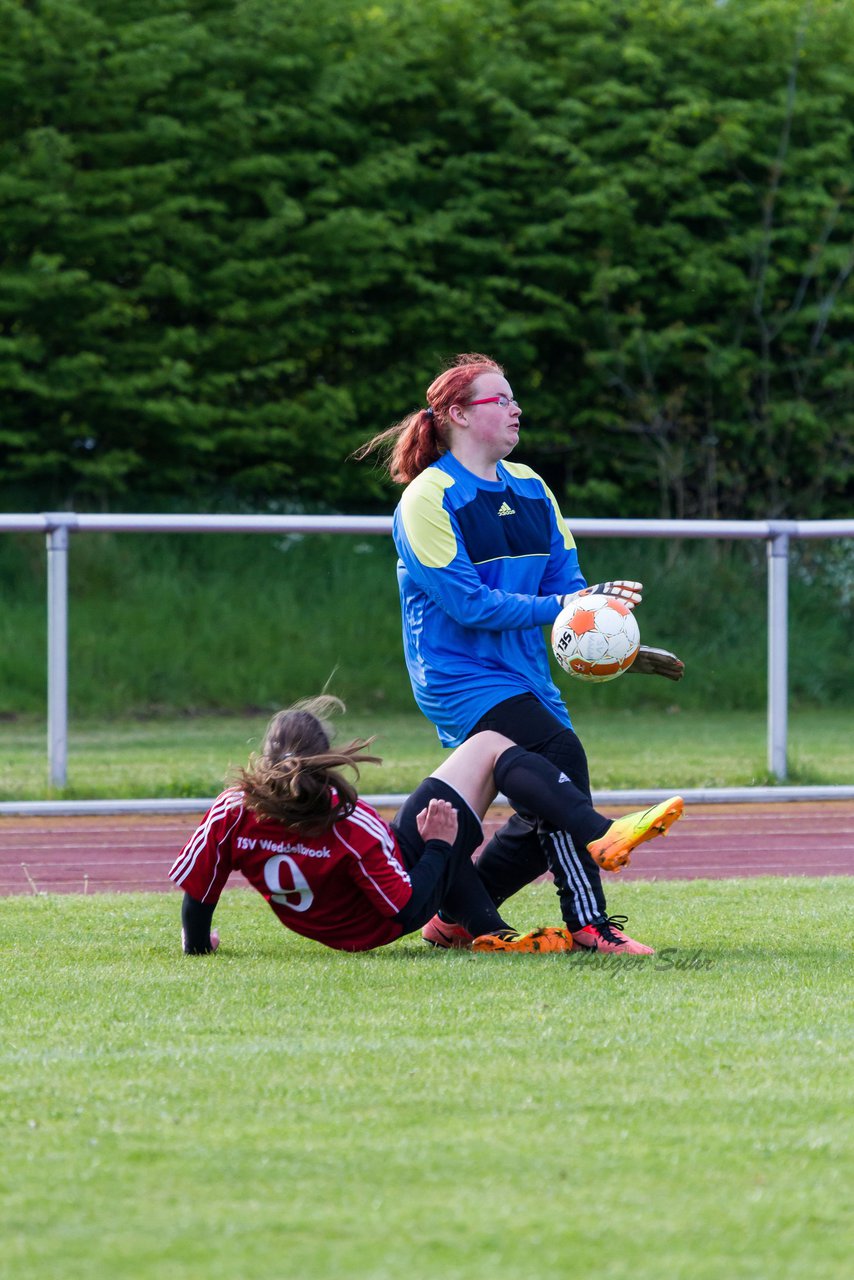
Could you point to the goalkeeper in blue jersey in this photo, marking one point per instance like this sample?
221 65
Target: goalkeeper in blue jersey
486 562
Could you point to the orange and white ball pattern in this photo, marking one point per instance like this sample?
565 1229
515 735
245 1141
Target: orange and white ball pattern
595 638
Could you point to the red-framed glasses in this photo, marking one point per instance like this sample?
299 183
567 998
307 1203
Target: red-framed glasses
503 401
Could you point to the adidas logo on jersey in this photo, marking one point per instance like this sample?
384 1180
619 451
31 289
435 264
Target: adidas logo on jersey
506 510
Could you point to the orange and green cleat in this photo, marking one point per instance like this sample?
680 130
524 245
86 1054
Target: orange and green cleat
525 943
613 851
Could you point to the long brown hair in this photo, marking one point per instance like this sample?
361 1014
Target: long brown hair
422 437
295 778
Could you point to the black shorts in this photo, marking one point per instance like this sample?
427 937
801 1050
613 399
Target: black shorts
531 725
524 719
469 830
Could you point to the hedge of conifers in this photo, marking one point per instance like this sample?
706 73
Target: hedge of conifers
237 239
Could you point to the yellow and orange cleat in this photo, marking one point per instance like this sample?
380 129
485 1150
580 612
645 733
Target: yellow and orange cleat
613 851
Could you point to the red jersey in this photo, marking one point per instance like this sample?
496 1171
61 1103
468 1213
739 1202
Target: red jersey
342 887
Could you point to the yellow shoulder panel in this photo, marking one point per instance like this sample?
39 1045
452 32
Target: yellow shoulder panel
425 520
521 472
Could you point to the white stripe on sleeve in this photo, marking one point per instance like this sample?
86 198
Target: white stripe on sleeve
187 859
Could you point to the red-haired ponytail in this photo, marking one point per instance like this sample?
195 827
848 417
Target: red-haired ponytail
422 437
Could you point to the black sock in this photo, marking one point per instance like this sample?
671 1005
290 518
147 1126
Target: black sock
533 784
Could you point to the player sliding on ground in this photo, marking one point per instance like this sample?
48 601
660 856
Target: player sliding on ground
333 870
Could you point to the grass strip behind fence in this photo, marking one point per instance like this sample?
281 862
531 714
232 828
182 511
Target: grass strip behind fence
283 1110
226 622
192 756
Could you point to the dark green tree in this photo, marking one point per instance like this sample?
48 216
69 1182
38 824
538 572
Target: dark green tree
236 239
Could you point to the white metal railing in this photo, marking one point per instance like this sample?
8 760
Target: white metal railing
59 525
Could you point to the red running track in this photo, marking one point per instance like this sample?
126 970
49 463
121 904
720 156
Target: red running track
135 852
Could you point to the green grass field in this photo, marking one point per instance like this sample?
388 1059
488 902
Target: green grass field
279 1110
645 747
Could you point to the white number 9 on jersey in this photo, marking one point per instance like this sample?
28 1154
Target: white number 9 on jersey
297 894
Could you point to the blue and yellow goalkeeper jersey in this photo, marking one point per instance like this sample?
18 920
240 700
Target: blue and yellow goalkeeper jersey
482 566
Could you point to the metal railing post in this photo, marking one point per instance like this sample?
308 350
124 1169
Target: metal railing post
57 650
778 650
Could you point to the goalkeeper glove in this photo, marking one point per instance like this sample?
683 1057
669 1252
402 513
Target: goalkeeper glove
657 662
631 593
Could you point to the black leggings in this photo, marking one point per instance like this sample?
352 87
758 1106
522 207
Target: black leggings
448 882
525 847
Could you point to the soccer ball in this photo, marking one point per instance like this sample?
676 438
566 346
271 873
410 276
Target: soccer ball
595 638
